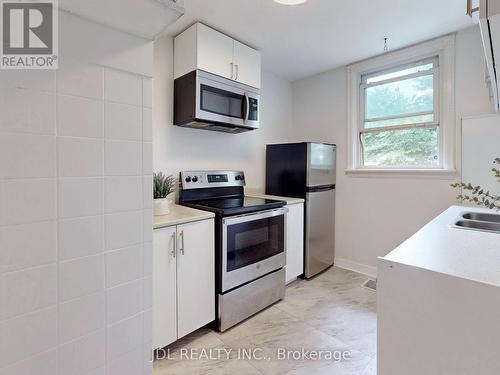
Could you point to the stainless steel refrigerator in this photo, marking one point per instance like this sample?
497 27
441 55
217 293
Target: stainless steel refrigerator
307 170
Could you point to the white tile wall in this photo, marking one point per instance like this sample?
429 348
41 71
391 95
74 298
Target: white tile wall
122 87
123 121
123 229
124 301
123 158
36 288
80 197
83 355
80 277
28 245
123 193
27 335
79 117
124 265
124 336
81 316
26 155
80 157
27 111
80 237
25 201
75 221
41 364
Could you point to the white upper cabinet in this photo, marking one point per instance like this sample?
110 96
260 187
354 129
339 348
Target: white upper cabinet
201 47
489 22
215 52
246 64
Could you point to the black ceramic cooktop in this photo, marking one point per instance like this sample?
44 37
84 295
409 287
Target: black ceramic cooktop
235 205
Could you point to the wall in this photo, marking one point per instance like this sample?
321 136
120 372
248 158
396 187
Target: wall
374 215
176 149
75 208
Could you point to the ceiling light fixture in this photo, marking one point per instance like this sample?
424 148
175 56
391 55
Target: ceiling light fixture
290 2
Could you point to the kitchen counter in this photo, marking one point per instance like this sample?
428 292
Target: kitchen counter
288 200
180 215
439 247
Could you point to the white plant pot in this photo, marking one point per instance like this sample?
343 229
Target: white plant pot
161 206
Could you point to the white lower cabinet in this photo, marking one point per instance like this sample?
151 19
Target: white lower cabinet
294 241
183 280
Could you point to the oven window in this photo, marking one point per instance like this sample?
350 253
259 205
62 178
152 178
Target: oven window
253 241
221 102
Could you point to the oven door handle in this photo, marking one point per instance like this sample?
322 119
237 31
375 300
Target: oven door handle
254 216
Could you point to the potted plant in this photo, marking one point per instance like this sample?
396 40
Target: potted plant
479 196
163 186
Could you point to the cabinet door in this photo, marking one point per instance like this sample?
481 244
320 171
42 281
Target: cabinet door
215 52
164 287
195 276
246 65
294 241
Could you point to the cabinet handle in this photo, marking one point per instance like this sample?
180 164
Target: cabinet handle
174 240
232 70
237 71
181 237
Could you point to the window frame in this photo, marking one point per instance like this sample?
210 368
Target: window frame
441 50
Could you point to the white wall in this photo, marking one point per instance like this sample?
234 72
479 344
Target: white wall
75 208
374 215
176 149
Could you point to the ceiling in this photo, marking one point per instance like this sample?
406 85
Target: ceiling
299 41
144 18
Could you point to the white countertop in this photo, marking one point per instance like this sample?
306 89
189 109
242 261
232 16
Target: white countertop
288 200
468 254
180 215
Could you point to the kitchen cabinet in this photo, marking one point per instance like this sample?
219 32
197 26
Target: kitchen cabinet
246 64
183 280
201 47
294 241
489 23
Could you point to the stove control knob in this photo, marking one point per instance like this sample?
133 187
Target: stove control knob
237 178
188 179
242 177
195 179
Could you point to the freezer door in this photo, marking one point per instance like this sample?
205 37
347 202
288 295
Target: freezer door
320 226
320 164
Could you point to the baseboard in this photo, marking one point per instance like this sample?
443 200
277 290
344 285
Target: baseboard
356 267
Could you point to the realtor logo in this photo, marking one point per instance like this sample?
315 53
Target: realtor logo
29 34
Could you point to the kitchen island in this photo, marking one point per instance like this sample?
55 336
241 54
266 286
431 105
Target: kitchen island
439 301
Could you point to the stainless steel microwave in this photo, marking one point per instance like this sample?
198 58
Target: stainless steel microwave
207 101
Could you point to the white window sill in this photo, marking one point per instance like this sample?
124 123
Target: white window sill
410 173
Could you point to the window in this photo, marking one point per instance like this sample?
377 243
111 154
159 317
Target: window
400 117
401 110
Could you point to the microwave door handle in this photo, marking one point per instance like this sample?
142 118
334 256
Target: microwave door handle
246 107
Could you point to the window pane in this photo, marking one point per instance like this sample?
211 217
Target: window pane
400 73
405 97
417 147
423 119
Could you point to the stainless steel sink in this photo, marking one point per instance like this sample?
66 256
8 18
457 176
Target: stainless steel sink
478 221
480 216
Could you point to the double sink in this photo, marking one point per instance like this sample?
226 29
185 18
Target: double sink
479 221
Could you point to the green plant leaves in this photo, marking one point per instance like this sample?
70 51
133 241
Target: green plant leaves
477 195
162 185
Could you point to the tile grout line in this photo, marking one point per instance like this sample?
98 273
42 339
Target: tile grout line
56 130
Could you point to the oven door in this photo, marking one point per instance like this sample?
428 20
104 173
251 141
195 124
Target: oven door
252 246
223 101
